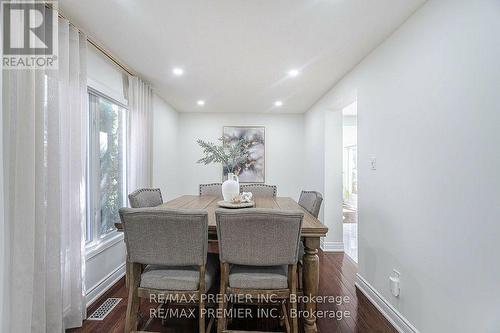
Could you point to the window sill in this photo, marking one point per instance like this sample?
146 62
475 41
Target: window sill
95 248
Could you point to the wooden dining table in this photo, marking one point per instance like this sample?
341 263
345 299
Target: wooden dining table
312 230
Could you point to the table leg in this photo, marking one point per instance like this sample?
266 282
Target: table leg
311 281
127 273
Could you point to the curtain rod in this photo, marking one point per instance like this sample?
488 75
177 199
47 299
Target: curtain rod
109 55
96 44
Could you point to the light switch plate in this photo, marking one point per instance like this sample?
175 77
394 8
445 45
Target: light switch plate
373 163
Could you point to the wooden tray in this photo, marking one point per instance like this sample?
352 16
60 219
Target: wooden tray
227 204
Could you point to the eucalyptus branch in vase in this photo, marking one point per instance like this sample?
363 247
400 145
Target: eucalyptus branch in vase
229 155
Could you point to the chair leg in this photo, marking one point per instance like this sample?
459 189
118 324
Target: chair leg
202 315
201 296
285 316
292 307
222 320
127 273
133 298
295 320
164 307
300 272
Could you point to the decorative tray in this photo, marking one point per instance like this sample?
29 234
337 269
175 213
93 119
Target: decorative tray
227 204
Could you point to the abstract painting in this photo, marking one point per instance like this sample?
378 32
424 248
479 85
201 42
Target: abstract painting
253 169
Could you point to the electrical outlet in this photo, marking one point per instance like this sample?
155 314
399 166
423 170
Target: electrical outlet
395 283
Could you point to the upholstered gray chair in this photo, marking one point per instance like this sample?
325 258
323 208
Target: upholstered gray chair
173 245
311 201
260 190
211 189
145 197
258 250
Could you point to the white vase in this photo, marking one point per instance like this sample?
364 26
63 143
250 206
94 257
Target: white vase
231 187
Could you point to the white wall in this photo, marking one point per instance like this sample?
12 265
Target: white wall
333 186
428 109
165 151
284 149
314 143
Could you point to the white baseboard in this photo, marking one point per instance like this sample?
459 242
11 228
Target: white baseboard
332 246
99 289
400 323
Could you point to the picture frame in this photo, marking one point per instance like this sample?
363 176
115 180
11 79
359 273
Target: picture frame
254 169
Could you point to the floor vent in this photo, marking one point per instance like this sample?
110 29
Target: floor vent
104 309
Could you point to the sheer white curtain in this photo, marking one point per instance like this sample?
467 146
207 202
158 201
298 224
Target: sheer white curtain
44 146
140 134
3 235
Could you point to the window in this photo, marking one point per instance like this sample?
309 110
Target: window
106 176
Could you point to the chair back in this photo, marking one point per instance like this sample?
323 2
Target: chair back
259 237
170 237
260 190
145 197
211 189
311 201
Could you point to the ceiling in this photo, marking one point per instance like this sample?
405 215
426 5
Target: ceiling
236 54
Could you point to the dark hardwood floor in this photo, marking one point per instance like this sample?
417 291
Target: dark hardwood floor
337 277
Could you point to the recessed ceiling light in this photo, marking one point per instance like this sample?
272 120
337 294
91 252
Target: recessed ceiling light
178 71
293 72
201 102
278 103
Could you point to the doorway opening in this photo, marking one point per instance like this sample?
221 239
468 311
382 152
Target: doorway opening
350 179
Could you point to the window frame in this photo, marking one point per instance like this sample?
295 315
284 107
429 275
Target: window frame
94 242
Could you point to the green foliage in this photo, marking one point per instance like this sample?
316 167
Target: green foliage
229 154
111 163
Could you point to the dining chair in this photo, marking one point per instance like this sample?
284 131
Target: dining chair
173 245
258 257
145 197
211 189
142 198
260 190
311 201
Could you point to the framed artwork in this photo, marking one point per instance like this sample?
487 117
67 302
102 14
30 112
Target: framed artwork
253 169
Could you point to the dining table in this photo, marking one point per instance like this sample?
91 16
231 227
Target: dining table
311 232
